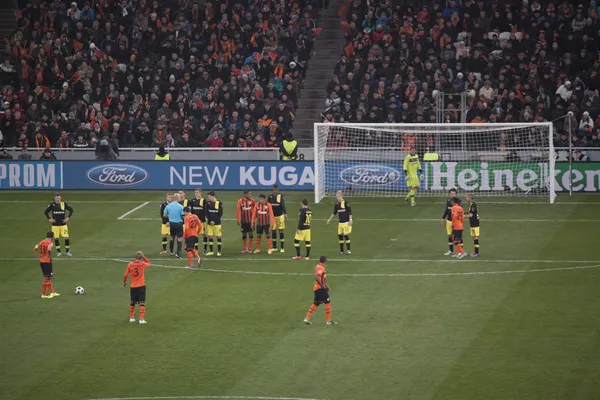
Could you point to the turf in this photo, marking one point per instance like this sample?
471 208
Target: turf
521 322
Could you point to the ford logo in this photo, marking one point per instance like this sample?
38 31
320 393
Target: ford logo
117 175
370 175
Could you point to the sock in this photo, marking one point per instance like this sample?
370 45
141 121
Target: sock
57 245
196 254
219 244
245 242
179 247
269 244
476 245
297 246
205 243
189 257
347 238
274 239
164 244
341 242
459 249
50 286
450 244
258 242
281 239
307 244
311 310
142 311
211 245
412 195
45 286
252 243
328 312
131 311
171 244
67 245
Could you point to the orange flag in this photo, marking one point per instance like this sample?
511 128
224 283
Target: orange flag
253 40
77 45
75 78
99 53
342 11
345 25
349 50
113 64
316 31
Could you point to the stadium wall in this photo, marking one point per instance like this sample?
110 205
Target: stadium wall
239 175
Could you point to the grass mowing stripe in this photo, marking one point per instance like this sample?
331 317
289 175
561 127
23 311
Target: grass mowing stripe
207 397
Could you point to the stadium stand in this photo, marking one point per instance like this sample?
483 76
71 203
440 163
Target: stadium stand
476 61
147 73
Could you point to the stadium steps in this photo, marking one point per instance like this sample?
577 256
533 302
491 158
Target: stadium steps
327 52
8 24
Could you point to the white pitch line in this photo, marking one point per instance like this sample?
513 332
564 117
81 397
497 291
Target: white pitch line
405 220
206 397
251 258
134 210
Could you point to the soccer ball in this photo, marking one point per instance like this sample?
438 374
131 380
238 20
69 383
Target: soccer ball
79 290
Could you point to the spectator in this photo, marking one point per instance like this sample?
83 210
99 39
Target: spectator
47 155
215 140
186 141
24 155
80 143
5 155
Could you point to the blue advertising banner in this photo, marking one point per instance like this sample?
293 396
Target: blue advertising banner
159 175
20 175
341 175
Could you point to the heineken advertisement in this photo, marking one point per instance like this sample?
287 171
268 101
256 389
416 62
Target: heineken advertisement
511 176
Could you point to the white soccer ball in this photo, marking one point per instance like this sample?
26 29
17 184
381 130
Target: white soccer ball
392 177
79 290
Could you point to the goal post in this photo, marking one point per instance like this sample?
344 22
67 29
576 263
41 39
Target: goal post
366 160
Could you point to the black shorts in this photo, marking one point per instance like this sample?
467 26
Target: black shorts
260 229
46 268
176 229
190 242
138 294
457 235
246 227
321 296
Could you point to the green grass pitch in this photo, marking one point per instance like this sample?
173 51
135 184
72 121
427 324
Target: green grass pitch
521 322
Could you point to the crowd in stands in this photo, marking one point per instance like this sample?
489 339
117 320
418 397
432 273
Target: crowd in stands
515 60
176 73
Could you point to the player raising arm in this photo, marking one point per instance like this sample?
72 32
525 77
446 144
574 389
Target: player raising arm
412 170
303 230
164 229
214 212
245 207
447 220
458 217
137 291
43 252
198 206
59 220
278 203
321 291
265 220
191 230
473 216
344 212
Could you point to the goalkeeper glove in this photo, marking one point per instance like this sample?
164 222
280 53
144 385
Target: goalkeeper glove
421 176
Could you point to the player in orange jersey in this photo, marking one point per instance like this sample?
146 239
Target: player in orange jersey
137 285
265 221
458 217
43 252
192 226
245 206
321 293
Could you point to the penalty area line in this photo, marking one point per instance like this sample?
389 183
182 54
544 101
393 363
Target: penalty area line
133 210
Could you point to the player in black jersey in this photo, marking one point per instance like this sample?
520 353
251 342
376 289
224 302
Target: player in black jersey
214 212
165 231
303 230
56 214
344 212
447 218
473 215
280 213
182 200
198 207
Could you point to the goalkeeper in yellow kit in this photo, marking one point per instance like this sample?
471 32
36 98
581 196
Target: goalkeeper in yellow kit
412 171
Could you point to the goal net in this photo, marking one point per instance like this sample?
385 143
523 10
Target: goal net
487 159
